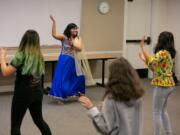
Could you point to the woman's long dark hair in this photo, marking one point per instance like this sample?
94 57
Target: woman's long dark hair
67 31
124 83
166 42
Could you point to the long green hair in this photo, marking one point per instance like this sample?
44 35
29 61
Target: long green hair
32 57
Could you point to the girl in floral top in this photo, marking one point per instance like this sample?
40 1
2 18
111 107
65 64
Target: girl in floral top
161 65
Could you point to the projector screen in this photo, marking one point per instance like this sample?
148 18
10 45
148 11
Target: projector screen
17 16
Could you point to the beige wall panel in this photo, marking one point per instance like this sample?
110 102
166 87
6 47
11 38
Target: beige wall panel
102 33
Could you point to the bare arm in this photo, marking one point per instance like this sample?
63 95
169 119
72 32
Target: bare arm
6 69
56 35
145 54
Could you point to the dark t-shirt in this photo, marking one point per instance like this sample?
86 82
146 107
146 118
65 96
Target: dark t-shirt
27 87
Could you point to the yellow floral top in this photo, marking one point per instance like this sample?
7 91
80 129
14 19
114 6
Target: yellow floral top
161 64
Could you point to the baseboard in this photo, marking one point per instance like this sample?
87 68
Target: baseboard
143 73
99 80
6 89
10 88
6 93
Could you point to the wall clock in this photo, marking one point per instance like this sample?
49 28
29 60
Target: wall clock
103 7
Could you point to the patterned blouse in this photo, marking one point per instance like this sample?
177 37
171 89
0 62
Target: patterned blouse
161 64
67 47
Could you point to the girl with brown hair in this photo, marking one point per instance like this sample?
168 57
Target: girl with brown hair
121 112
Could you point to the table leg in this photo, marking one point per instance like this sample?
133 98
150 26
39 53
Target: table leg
103 72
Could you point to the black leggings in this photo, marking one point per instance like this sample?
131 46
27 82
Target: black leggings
18 111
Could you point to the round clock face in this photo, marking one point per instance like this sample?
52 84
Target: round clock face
103 7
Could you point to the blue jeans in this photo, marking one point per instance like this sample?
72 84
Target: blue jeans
160 98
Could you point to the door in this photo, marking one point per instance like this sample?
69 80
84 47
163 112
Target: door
137 23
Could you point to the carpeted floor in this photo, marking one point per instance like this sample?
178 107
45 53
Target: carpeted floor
71 118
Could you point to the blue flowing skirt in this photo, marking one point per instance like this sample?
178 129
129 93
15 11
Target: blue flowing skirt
65 82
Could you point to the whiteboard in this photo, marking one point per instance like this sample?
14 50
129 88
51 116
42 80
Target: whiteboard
17 16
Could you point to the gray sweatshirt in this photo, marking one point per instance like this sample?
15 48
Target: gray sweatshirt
118 118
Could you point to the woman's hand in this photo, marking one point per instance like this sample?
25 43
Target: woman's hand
52 18
3 53
77 43
74 41
6 69
86 102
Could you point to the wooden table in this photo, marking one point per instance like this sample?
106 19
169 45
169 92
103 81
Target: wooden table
51 54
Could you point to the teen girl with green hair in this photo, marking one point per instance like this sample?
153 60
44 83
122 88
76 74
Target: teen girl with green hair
29 67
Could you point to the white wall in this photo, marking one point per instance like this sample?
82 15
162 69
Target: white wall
19 15
173 22
158 19
166 17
